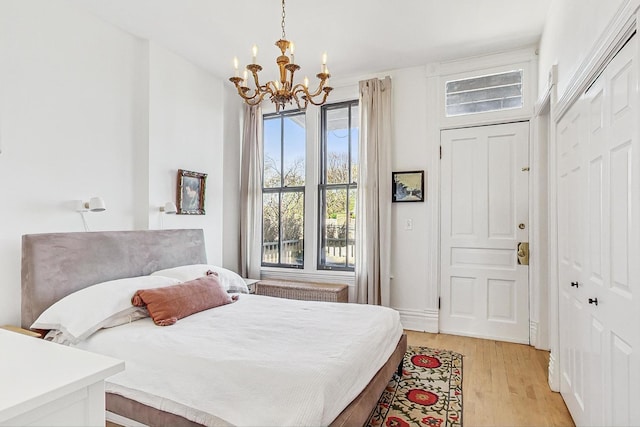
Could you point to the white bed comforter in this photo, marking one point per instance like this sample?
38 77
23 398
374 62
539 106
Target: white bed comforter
260 361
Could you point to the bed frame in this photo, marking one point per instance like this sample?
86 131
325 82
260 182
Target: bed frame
55 265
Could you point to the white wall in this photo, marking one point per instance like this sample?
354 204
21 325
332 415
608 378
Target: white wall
571 30
410 285
89 110
185 132
231 190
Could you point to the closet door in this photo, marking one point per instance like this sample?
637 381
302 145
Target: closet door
599 248
571 143
612 276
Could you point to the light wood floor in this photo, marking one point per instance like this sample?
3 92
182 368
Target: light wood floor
503 384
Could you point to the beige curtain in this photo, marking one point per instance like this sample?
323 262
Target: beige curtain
251 193
373 222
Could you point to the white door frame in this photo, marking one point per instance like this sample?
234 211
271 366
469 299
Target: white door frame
547 328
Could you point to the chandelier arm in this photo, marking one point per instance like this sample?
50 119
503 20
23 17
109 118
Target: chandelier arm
254 73
257 101
304 98
243 90
324 97
318 91
270 87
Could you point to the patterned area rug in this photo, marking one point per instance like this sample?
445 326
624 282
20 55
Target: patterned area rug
428 394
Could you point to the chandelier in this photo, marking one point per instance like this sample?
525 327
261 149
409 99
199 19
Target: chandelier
282 91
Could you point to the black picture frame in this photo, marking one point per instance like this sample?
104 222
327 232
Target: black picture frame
407 186
190 192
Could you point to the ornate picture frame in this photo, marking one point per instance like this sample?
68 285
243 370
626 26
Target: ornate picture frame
190 192
407 186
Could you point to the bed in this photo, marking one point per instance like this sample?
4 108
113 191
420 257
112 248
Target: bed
55 265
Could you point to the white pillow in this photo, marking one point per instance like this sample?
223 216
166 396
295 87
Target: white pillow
106 304
231 281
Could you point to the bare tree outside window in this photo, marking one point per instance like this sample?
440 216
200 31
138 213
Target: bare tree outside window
338 186
283 190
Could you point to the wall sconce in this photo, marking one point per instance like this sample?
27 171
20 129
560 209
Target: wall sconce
95 204
169 208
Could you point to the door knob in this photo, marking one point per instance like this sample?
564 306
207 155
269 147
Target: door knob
576 284
593 301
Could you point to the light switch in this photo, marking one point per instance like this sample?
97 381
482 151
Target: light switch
408 224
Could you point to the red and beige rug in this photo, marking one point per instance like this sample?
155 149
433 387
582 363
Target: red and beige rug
428 394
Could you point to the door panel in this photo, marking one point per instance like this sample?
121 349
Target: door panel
484 291
570 242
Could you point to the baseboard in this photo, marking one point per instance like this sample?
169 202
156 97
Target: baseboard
554 381
419 320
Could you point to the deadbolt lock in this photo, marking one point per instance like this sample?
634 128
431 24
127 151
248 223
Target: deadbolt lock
521 226
523 253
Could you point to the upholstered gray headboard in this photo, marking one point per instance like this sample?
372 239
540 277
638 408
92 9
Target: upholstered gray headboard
57 264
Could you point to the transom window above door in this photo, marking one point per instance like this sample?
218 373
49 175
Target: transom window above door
480 94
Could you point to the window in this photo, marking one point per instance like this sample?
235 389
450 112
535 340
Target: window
481 94
283 184
338 186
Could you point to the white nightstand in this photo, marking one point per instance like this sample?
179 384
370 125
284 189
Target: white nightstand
47 384
251 284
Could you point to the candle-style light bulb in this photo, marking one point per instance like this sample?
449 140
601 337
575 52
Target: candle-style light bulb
246 78
306 82
235 65
292 48
324 63
254 50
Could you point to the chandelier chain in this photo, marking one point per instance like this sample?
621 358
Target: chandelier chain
284 36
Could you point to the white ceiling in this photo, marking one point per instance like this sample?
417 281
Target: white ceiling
360 36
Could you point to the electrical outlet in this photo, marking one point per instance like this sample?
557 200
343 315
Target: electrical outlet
408 225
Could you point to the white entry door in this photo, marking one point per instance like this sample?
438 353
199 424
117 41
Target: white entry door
484 291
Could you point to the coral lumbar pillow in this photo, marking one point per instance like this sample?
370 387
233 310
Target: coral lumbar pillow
167 305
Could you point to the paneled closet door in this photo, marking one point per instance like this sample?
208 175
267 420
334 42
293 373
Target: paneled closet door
599 248
571 143
612 274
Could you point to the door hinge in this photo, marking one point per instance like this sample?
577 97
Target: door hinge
438 303
441 152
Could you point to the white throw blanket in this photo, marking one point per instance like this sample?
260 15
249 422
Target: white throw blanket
260 361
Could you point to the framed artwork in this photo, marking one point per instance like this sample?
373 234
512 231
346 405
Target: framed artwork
190 193
408 186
